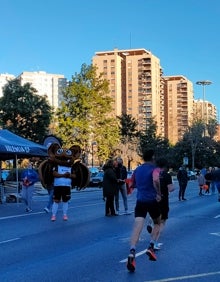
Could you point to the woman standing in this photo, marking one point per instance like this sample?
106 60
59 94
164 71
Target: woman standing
201 182
29 177
109 188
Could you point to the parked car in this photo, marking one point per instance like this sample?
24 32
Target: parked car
93 171
97 180
191 175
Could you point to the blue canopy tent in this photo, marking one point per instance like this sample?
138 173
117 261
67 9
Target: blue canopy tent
13 146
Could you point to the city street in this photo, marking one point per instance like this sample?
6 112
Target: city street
90 247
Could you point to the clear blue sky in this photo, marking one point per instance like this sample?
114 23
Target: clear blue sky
58 36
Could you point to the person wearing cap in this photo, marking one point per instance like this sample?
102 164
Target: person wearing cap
121 173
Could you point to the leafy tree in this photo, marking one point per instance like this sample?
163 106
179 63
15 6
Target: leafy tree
127 147
212 127
85 114
128 127
149 140
202 151
194 136
180 150
24 112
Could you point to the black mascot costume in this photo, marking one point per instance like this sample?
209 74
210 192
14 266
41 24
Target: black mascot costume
63 170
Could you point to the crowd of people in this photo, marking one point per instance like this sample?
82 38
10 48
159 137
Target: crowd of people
114 185
153 184
206 178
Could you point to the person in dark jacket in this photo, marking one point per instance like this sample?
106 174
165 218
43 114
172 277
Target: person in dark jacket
121 173
109 187
182 178
215 177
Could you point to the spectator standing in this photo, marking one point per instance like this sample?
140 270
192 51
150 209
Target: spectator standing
215 176
29 177
201 182
147 202
212 184
121 174
109 188
183 180
208 183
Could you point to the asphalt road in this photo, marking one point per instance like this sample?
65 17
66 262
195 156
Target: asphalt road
92 247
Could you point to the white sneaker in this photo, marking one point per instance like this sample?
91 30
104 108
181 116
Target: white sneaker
157 246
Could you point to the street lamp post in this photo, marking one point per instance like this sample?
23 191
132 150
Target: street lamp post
203 83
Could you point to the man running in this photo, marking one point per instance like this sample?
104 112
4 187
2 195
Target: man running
147 202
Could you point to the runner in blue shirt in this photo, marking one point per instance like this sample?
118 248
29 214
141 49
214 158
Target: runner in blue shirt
148 197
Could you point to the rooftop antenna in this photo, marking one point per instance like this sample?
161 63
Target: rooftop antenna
130 40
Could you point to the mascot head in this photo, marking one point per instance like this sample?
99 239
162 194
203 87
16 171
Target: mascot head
63 156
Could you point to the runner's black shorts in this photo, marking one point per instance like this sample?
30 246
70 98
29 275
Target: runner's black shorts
142 208
62 192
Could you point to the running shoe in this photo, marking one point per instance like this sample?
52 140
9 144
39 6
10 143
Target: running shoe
65 218
150 253
157 246
53 218
131 262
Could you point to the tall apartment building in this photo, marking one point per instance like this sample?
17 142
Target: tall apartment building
4 78
205 110
178 93
136 84
51 85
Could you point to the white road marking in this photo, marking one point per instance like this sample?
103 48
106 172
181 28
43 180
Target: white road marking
136 255
185 277
43 212
10 240
20 215
216 234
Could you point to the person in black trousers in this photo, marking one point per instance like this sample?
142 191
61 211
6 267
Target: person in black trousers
109 188
182 178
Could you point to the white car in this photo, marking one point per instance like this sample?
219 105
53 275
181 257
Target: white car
97 180
191 175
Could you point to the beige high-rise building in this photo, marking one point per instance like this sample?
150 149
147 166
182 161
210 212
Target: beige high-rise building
136 85
205 110
178 91
50 85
